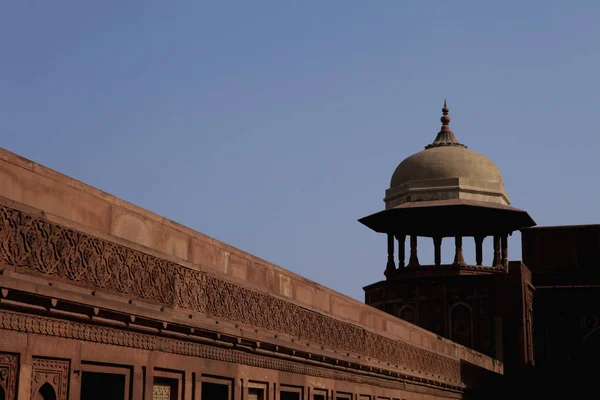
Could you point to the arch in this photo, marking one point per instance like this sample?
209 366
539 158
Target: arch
581 372
461 324
46 392
589 350
408 313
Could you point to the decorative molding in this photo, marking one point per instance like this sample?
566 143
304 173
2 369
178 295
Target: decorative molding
34 324
52 372
9 366
36 246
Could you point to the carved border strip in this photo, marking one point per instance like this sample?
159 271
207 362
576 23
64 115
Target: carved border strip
36 246
34 324
9 364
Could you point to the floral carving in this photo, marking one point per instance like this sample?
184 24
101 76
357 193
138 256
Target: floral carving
37 246
73 330
191 289
9 364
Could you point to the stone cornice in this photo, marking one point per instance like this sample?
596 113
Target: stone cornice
108 327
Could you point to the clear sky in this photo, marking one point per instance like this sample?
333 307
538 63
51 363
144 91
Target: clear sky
275 125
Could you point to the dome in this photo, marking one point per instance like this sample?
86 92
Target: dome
446 162
446 170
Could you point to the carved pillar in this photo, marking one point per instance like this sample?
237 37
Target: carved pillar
505 251
390 267
497 259
401 251
458 255
479 250
437 245
414 259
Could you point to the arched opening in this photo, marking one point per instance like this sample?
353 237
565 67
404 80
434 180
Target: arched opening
586 356
408 314
461 324
46 392
2 394
487 251
468 249
424 250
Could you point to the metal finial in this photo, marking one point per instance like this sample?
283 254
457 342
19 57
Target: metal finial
445 136
445 118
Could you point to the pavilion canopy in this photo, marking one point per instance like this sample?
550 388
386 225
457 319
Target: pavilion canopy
445 218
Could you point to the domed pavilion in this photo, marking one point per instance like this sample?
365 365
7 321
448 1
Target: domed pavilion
447 190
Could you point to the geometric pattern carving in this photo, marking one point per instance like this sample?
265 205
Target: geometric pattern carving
36 246
9 366
161 391
50 375
73 330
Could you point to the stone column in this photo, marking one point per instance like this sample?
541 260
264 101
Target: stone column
479 250
390 267
505 251
497 258
458 255
401 250
414 259
437 245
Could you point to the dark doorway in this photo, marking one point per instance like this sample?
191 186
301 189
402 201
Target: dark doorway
289 395
101 386
214 391
46 392
2 394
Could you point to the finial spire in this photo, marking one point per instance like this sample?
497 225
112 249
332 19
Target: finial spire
445 136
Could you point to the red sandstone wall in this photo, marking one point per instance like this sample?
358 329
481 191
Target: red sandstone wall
572 246
74 204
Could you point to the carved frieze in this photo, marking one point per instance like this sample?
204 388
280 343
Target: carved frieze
9 366
73 330
50 376
36 246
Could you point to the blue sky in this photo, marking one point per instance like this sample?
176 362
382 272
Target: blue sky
275 125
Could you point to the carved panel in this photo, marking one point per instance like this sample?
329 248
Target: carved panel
50 375
161 391
9 366
36 246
